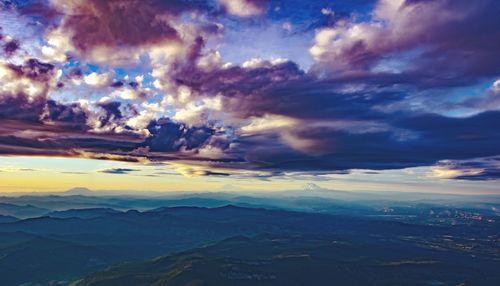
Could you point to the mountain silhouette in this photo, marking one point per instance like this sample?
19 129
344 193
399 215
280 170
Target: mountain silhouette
79 191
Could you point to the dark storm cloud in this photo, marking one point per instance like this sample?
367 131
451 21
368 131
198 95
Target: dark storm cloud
457 51
112 112
120 24
43 140
248 91
169 136
399 140
33 124
62 132
34 69
115 23
66 135
345 112
419 140
70 116
460 51
21 107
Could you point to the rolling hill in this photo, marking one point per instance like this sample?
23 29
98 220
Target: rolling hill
296 260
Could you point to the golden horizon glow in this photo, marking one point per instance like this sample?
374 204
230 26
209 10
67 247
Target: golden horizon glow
58 174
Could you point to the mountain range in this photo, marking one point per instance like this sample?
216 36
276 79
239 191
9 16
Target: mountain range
176 239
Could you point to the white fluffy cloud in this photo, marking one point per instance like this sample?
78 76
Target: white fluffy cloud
243 8
394 26
97 79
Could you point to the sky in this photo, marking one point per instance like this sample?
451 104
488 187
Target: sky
193 95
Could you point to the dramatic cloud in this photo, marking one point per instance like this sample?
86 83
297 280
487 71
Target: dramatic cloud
71 116
118 32
449 39
481 169
413 141
24 89
407 84
168 136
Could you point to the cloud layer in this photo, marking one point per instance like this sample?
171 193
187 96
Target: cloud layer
405 84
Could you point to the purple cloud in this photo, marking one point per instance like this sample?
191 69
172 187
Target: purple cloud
375 98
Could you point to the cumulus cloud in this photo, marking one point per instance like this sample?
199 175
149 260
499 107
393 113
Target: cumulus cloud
117 32
34 124
24 89
97 80
94 28
368 101
442 37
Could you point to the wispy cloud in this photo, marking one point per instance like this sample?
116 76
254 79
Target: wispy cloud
118 171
